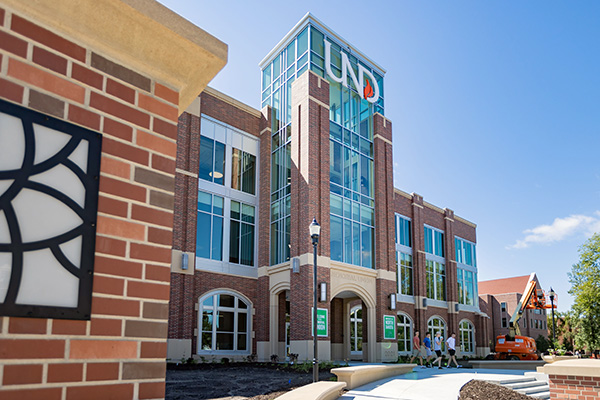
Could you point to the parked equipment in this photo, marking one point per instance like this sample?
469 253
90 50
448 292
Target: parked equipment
514 346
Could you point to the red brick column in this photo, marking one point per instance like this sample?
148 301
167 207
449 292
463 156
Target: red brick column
120 352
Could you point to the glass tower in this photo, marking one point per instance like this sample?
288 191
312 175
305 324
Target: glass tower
352 197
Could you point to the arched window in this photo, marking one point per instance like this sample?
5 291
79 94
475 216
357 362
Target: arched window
435 325
224 323
356 327
467 337
404 333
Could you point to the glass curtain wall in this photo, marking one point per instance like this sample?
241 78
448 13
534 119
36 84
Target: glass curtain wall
352 188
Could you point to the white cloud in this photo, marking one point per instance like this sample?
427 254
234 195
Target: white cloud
560 229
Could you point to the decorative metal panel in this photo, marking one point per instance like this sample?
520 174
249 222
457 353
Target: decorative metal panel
49 173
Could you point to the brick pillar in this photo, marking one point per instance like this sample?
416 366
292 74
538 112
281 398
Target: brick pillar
451 274
419 267
309 198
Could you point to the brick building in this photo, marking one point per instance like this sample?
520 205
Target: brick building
88 130
498 299
248 184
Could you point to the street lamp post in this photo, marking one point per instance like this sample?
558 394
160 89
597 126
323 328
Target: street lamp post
315 230
552 294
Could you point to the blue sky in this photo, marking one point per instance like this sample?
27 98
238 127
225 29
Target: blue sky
495 109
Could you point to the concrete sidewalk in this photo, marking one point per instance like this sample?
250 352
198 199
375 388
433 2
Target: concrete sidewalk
427 384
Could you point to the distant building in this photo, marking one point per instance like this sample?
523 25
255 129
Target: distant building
498 298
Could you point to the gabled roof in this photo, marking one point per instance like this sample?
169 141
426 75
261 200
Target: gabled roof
516 284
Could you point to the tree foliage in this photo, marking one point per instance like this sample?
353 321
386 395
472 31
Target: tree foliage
585 288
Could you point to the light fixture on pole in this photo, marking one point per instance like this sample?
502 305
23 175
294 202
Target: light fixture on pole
315 230
552 295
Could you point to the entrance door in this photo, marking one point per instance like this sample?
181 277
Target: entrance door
356 335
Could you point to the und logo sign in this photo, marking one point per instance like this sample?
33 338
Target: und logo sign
49 172
370 92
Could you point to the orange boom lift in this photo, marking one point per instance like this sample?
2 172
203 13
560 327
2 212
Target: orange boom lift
514 346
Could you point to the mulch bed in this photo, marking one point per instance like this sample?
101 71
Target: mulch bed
234 381
481 390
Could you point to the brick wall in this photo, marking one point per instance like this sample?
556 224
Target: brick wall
120 352
568 387
413 207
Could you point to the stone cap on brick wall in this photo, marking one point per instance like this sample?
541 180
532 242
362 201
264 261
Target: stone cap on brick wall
580 367
142 34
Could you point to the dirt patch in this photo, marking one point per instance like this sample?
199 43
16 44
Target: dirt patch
480 390
237 382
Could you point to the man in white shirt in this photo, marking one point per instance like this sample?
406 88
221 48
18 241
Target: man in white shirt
451 342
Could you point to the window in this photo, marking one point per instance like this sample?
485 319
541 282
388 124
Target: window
351 226
524 322
434 241
241 234
243 171
466 284
224 323
403 231
465 252
504 325
436 280
212 160
405 273
209 238
356 330
467 337
404 334
435 325
503 307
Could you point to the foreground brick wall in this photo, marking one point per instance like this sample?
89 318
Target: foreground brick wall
567 387
120 352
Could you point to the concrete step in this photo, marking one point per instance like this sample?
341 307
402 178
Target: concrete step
541 395
504 382
524 385
534 389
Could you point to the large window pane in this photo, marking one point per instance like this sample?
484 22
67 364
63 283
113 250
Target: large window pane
247 242
335 163
336 238
234 240
219 163
206 158
249 173
217 238
203 235
367 246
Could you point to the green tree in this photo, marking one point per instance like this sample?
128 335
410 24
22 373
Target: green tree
565 329
585 288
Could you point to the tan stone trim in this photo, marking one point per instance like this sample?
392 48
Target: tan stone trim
184 172
579 367
403 194
464 221
431 206
449 219
356 270
416 205
382 138
176 262
386 275
189 57
230 100
419 303
194 107
452 307
319 102
264 130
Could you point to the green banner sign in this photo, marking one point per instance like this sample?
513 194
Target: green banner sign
389 327
321 322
